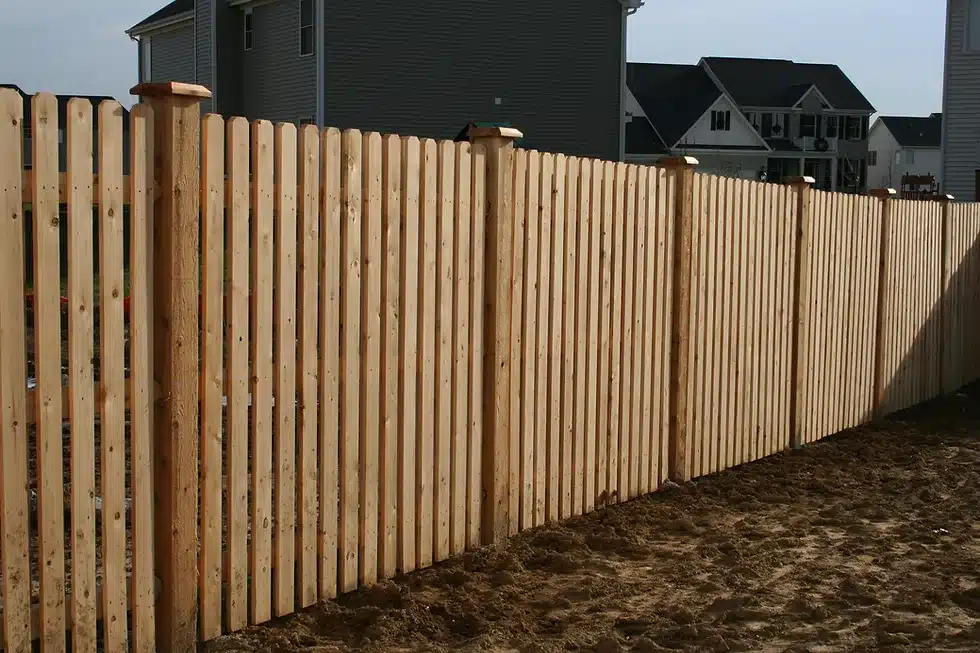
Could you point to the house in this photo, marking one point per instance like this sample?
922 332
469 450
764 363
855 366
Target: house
904 153
553 68
960 149
741 117
63 100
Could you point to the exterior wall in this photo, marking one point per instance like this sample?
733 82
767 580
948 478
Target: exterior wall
883 174
430 68
229 41
278 84
172 54
741 132
203 26
890 170
961 107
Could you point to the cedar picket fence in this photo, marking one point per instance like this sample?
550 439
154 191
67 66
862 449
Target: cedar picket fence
365 354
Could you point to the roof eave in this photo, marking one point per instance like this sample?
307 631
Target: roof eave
169 21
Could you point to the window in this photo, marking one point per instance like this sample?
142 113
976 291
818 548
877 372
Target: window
808 125
831 127
721 121
753 119
971 40
248 30
873 158
147 72
766 125
910 157
852 128
307 33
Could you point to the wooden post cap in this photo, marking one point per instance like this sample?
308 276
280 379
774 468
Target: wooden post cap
170 89
945 197
801 181
494 132
677 162
883 193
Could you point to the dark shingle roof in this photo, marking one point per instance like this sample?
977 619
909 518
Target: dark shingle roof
642 139
914 131
175 8
775 82
673 96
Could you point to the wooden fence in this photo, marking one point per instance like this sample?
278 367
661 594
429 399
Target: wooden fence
345 356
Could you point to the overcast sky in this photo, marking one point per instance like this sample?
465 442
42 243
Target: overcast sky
891 49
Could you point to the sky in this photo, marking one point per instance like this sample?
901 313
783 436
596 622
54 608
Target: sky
891 49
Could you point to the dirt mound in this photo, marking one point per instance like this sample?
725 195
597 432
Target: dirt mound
866 541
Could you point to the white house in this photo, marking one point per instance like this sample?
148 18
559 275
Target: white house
901 147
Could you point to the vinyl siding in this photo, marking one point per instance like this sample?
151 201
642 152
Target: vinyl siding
230 71
429 68
278 84
203 28
961 120
172 55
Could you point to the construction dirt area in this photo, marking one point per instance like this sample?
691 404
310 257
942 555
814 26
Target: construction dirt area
869 540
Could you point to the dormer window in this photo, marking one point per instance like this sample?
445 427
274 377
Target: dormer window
721 121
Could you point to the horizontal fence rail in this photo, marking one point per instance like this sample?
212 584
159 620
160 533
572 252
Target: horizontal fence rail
345 355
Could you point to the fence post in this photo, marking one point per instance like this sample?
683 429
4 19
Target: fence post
174 332
885 195
947 201
499 146
682 170
801 230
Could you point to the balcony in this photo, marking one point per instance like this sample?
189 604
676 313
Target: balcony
816 144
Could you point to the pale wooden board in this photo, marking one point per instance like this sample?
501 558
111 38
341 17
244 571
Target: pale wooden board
112 376
409 381
699 325
460 435
555 340
590 201
426 395
388 472
626 354
517 321
605 252
571 447
142 593
350 357
212 359
331 272
580 212
372 283
81 340
540 400
613 458
665 263
477 285
47 338
308 295
13 442
284 336
529 341
262 369
237 338
444 347
639 443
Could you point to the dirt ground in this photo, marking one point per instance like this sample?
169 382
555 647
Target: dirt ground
869 540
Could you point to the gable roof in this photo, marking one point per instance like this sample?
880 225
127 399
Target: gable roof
673 96
171 11
913 131
781 83
642 139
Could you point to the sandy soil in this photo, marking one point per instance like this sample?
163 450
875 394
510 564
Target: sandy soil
869 540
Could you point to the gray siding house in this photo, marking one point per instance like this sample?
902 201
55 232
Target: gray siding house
553 68
960 148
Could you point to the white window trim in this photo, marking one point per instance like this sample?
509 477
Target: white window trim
311 26
147 59
910 157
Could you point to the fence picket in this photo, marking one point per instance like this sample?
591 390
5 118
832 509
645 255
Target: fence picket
372 271
237 337
529 348
306 423
445 218
478 171
47 336
461 349
517 347
212 357
571 454
555 389
540 400
580 217
262 369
